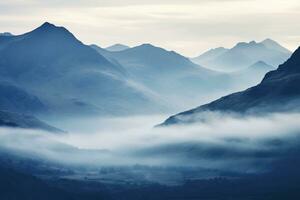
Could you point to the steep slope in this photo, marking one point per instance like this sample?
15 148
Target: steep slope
209 55
15 120
48 50
278 92
16 99
244 54
117 47
169 74
271 44
252 74
51 59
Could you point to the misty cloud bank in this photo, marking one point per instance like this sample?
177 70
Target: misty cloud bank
222 142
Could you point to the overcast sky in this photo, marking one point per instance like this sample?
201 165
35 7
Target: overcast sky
186 26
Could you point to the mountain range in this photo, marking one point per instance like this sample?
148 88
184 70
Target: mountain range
277 92
48 72
66 75
244 54
169 75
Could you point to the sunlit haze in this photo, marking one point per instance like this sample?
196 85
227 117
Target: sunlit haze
188 27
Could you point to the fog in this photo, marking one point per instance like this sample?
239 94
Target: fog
222 142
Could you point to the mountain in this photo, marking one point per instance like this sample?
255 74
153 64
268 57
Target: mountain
243 55
15 120
67 75
16 99
271 44
117 47
277 92
149 58
209 55
259 66
252 74
168 74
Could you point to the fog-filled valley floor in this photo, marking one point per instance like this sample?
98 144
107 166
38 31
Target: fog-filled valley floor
136 140
125 153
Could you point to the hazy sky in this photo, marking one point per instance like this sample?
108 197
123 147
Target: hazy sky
186 26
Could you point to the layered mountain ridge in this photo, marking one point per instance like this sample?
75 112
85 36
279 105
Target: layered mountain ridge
169 74
244 54
277 92
49 72
51 59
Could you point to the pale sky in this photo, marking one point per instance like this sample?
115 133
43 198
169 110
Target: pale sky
186 26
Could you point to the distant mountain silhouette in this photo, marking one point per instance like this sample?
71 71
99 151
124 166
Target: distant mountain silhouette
209 55
271 44
260 65
52 64
252 74
277 92
243 55
167 73
117 47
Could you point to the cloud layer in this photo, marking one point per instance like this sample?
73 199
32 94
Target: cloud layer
221 142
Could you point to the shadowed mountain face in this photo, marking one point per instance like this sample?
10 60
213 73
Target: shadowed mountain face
75 77
15 120
117 47
169 74
48 51
243 55
278 92
16 99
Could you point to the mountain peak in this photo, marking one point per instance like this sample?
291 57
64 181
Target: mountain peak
117 47
261 65
245 44
52 31
271 44
48 27
268 40
147 45
47 24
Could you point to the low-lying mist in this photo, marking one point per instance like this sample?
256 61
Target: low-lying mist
223 142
